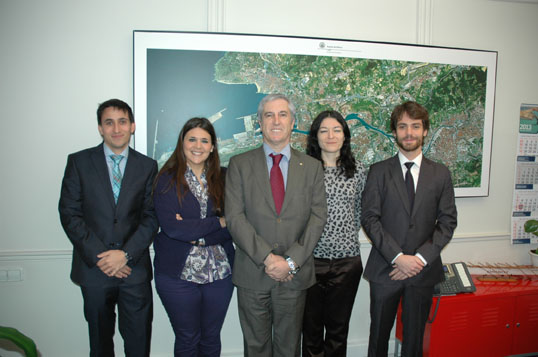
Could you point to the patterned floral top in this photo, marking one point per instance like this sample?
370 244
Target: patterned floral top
340 237
204 264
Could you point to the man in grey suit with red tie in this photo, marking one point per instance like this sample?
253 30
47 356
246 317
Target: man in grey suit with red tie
107 213
409 214
275 210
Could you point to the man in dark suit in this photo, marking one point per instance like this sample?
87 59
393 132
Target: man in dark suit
107 213
409 214
275 211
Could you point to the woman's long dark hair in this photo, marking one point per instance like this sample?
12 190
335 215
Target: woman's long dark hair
176 165
346 161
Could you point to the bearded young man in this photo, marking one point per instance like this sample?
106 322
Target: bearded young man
409 214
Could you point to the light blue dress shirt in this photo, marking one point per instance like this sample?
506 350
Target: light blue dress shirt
284 163
110 163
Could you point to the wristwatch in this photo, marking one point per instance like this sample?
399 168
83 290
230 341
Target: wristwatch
293 267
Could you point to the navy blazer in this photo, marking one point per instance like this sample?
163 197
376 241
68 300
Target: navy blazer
94 223
172 244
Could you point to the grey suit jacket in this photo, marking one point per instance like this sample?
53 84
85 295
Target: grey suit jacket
94 223
256 228
393 228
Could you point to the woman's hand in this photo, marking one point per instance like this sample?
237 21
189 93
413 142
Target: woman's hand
222 222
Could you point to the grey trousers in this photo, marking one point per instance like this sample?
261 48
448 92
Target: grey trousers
271 321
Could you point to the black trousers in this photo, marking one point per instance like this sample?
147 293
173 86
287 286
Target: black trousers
384 300
135 313
329 304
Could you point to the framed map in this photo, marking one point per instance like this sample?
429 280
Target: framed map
180 75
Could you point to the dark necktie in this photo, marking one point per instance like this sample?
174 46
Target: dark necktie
410 184
277 182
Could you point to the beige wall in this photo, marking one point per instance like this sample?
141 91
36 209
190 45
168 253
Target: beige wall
59 58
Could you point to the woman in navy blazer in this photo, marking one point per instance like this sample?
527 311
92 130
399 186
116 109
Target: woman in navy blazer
193 250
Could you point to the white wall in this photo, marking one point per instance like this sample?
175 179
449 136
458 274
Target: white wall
60 58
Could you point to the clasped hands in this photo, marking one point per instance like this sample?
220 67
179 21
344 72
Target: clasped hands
114 263
406 266
277 268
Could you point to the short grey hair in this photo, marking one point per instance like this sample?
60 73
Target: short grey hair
269 98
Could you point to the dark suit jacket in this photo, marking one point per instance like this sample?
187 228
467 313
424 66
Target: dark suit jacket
94 223
392 228
256 228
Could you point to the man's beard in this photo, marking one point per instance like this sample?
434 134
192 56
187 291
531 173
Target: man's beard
410 147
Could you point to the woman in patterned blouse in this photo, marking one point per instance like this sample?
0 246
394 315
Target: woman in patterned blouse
337 256
193 250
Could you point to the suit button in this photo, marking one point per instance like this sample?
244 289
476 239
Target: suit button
115 220
275 245
411 226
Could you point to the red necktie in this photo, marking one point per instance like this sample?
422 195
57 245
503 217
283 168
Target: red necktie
277 182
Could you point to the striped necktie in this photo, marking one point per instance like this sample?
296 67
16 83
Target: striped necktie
116 176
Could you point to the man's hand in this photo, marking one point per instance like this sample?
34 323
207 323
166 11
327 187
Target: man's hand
277 268
111 261
287 279
123 272
272 259
396 274
406 266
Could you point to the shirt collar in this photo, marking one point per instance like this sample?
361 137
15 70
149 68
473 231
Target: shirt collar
109 152
417 160
286 151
